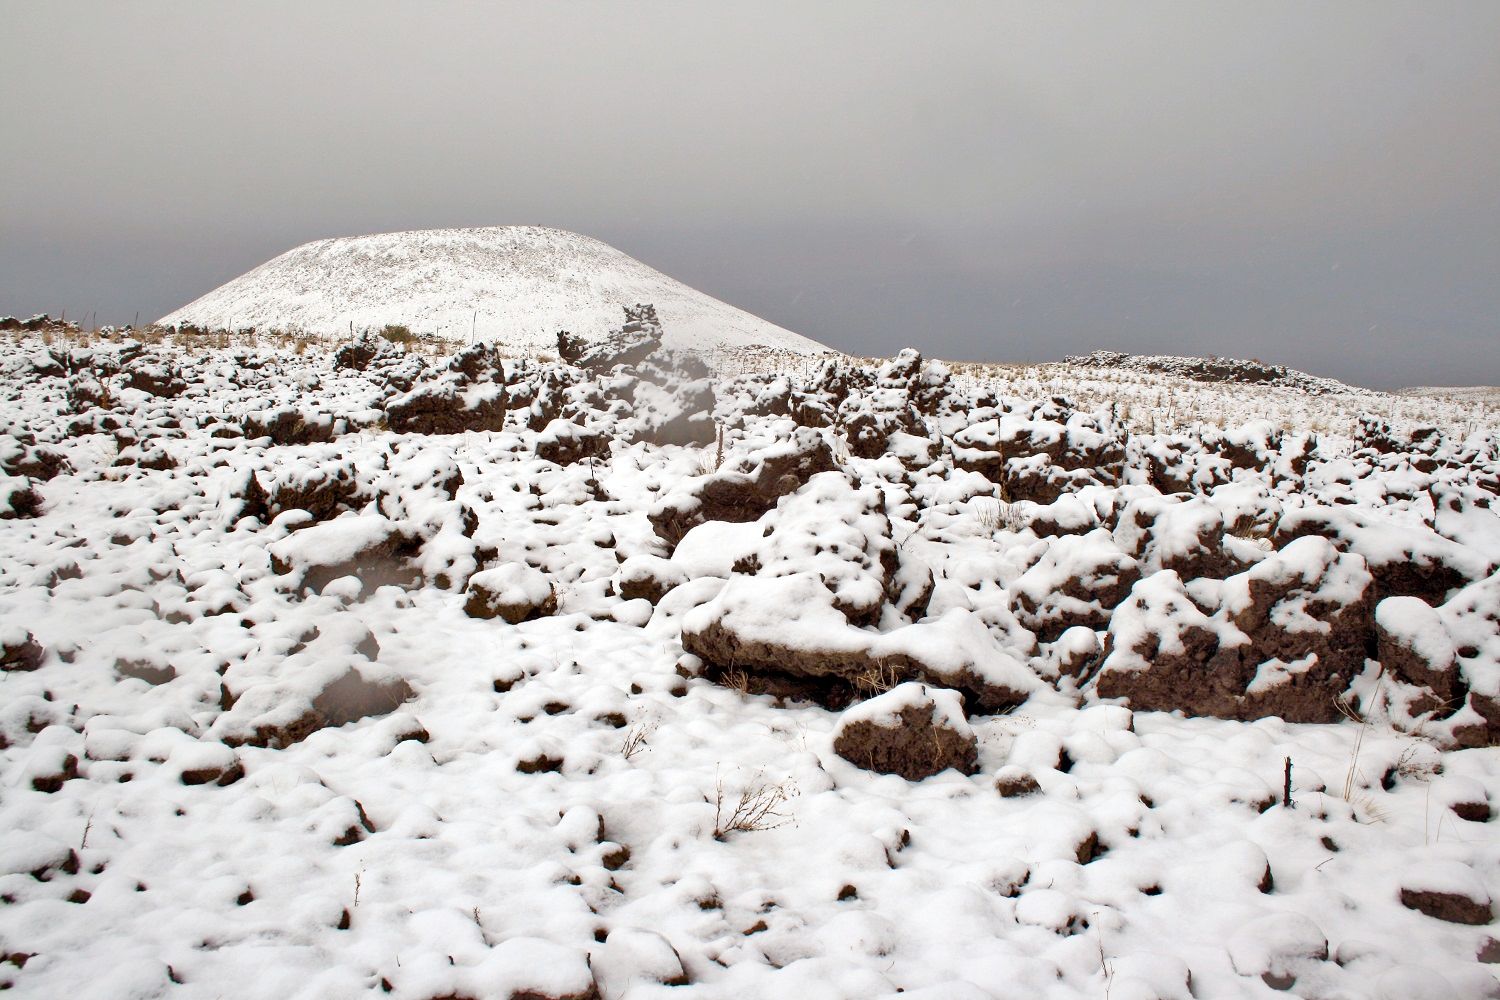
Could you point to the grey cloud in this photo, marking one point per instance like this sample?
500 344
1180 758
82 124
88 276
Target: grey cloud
1312 184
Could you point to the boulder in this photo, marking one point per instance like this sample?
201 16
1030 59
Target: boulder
1285 639
744 490
646 576
1446 890
1413 644
19 650
912 730
513 591
446 406
786 636
567 443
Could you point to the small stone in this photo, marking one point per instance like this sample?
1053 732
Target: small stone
1013 781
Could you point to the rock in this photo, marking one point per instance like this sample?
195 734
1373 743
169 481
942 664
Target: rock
1308 599
1077 652
1450 906
567 443
533 968
350 697
373 548
630 345
1286 639
1413 644
358 353
207 761
158 380
448 404
912 730
31 461
290 426
278 735
145 670
1078 581
787 637
514 592
1013 782
540 764
1406 561
632 956
1278 947
646 576
220 776
1446 890
1173 533
19 499
324 490
19 650
744 490
50 775
1164 653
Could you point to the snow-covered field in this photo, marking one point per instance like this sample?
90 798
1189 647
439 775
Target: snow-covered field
514 285
375 674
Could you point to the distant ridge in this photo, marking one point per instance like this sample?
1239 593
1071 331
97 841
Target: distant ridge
1232 370
513 285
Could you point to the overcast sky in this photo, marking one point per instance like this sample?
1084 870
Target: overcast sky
1313 184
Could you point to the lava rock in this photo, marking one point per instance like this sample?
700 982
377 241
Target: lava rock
912 730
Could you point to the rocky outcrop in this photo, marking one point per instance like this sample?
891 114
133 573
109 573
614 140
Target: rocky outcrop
745 490
1285 639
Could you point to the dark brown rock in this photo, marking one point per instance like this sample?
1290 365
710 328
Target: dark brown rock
746 491
918 739
54 782
567 443
1433 666
288 426
220 776
22 653
629 345
447 406
1449 906
1013 782
496 600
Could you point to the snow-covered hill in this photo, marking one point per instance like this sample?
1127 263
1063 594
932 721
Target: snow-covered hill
514 285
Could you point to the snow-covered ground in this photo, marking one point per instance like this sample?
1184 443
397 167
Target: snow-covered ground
268 729
513 285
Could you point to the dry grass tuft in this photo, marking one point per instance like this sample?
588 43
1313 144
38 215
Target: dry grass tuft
757 807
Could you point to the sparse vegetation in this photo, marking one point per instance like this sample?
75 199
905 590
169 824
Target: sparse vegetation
636 739
756 807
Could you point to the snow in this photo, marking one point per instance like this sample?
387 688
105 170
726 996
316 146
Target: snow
513 583
946 708
1137 869
514 285
1418 626
1445 876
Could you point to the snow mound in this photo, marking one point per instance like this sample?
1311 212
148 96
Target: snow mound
514 285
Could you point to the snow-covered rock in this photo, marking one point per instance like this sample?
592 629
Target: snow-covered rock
912 730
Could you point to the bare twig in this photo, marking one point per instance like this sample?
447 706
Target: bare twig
636 739
756 808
